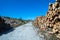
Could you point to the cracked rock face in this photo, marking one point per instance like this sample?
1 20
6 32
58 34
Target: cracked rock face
51 20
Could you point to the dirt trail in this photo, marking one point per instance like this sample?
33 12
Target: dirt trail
24 32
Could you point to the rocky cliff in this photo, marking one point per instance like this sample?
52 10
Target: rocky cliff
51 22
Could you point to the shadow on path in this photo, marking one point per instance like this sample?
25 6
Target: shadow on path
5 27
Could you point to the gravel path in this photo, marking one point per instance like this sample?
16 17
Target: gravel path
24 32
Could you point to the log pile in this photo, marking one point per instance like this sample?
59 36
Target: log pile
51 21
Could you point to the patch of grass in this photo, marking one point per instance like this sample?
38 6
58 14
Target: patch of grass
53 37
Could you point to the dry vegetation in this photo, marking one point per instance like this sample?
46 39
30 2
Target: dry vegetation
7 23
14 22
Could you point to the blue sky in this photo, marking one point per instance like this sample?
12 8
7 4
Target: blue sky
26 9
